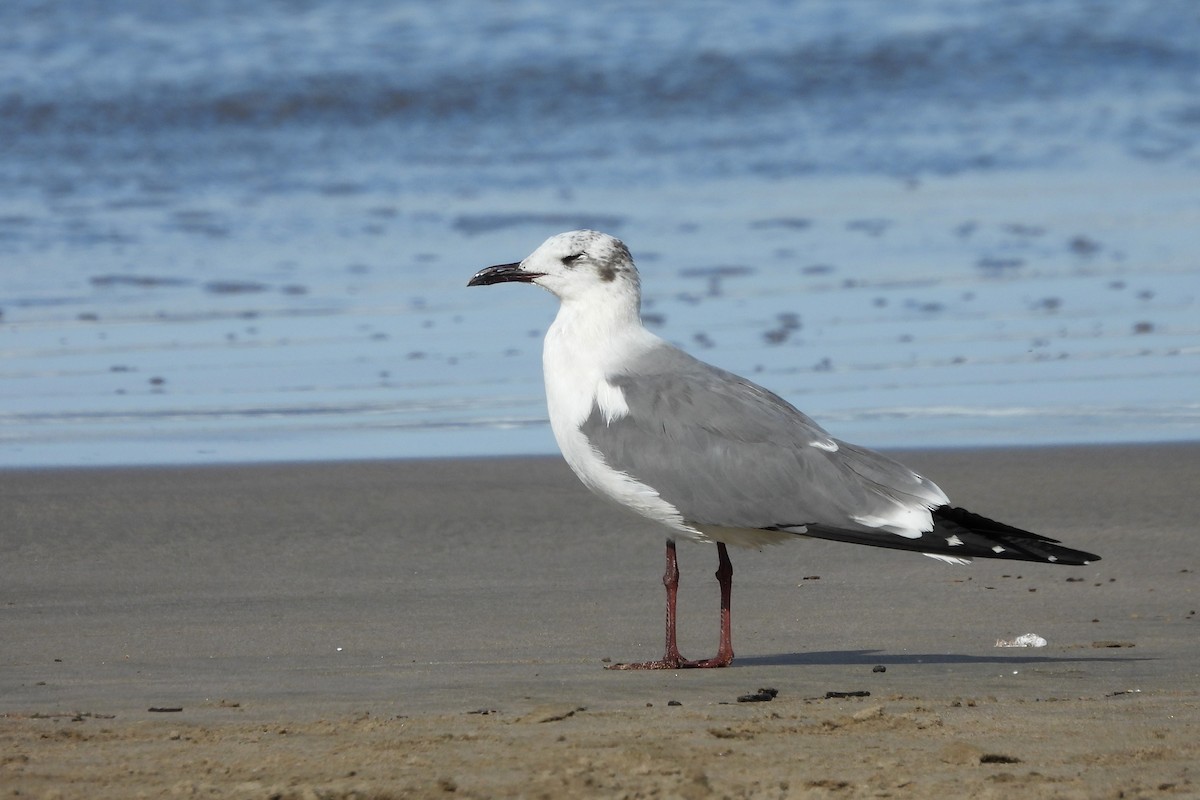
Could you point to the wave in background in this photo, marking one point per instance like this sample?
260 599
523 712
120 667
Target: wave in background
241 231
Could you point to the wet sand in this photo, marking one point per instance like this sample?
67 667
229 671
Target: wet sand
414 629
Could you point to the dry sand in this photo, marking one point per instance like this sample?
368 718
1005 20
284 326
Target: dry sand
418 629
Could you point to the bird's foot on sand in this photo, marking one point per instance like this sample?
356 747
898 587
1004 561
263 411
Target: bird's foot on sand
677 662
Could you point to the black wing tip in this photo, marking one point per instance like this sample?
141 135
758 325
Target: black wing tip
1072 558
1013 542
981 524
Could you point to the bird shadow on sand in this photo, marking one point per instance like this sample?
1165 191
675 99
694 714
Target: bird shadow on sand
873 657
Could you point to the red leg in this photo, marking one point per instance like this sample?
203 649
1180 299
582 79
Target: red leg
724 656
671 658
671 581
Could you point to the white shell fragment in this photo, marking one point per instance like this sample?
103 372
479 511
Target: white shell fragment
1024 640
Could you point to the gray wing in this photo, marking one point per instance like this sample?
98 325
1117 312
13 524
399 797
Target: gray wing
727 452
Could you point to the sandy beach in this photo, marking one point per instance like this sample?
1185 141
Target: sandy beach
421 629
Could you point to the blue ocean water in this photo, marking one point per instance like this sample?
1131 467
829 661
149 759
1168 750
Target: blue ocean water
242 231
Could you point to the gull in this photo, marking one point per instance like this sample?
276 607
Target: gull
714 457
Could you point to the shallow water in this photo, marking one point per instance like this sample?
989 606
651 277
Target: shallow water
243 232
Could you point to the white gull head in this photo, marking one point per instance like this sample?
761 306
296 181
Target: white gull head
586 266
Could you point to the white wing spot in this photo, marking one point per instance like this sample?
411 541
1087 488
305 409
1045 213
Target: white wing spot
954 541
1052 559
902 520
955 560
825 444
997 549
611 402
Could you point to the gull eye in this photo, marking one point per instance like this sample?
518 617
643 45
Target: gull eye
570 261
